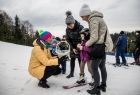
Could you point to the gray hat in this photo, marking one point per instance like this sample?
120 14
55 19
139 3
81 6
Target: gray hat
85 10
70 19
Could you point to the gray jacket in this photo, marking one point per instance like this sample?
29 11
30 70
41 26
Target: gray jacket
97 28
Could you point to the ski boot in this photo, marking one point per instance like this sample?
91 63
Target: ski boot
125 64
81 79
118 64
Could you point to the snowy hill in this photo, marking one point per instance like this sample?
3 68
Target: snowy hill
15 79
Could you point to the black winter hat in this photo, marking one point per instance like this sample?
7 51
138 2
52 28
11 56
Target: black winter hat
138 31
122 32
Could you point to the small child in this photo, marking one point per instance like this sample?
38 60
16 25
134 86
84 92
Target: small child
84 55
63 46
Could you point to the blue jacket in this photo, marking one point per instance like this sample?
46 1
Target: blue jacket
121 42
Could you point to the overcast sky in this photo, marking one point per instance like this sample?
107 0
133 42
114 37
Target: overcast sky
50 14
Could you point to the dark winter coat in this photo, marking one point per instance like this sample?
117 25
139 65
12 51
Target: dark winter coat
138 42
121 42
73 37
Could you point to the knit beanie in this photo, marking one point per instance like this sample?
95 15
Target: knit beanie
85 10
43 34
69 18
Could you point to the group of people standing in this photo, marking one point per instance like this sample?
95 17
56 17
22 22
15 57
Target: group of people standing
81 49
81 40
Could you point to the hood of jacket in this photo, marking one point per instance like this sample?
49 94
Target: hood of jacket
96 14
35 43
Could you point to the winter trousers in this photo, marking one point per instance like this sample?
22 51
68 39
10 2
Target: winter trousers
49 71
72 65
120 52
63 65
99 63
137 55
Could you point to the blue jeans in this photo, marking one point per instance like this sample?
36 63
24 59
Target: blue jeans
120 52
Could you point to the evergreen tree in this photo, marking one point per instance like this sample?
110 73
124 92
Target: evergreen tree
6 27
18 34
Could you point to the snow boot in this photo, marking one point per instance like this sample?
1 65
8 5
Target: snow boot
43 84
70 75
81 79
94 91
91 84
103 87
63 72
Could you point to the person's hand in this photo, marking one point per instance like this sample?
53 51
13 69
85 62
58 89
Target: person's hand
86 44
78 45
136 50
114 49
81 47
75 51
55 57
60 55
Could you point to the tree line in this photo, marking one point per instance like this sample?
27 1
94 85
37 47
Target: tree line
15 30
21 32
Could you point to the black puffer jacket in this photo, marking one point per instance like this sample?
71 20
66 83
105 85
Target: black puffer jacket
73 36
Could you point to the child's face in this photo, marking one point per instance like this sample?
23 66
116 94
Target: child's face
82 36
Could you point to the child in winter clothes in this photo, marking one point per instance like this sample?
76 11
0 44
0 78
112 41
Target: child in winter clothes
42 64
84 54
61 44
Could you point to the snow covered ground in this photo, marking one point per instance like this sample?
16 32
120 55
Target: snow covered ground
15 79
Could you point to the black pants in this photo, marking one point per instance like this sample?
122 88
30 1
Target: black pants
51 70
62 62
63 65
72 64
99 63
137 55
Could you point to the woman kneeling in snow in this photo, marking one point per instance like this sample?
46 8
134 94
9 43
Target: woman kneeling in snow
42 65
